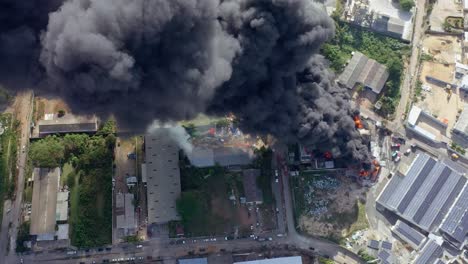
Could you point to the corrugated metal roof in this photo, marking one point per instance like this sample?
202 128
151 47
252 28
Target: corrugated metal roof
386 245
408 234
194 261
429 254
365 71
425 194
373 244
456 222
283 260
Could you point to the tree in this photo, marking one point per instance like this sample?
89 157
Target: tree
192 206
109 127
47 152
61 113
406 4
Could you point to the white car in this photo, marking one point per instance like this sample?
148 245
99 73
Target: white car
276 173
139 246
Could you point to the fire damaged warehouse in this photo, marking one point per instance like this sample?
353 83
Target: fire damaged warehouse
170 60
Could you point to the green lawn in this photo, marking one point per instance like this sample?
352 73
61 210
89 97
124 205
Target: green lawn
74 203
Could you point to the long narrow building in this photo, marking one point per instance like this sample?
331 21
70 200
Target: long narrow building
163 177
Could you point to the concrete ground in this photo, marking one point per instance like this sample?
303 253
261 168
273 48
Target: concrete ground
441 10
444 48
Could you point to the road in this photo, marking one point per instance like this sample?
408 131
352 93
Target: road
411 71
320 246
23 113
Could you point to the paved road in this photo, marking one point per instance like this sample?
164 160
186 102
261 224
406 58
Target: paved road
23 113
411 71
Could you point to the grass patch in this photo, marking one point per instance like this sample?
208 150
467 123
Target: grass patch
204 204
361 221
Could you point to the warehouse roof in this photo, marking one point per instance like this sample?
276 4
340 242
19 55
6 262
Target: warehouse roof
61 212
424 196
365 71
193 261
455 225
429 254
223 156
283 260
44 202
163 176
67 124
408 234
252 193
461 127
125 211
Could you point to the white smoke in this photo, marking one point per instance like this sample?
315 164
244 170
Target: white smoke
175 132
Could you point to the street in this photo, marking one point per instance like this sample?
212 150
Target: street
24 103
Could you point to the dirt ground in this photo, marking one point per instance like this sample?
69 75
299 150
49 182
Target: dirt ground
444 49
343 204
437 100
443 9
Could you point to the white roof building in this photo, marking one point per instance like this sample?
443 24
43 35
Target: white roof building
283 260
61 212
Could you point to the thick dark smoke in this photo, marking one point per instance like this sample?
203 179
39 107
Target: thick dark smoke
172 59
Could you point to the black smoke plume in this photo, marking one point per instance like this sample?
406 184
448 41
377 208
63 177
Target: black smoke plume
172 59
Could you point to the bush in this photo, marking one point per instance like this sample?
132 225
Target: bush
61 113
406 4
48 152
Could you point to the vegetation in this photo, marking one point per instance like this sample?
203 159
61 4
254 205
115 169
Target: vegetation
190 129
48 152
457 148
406 4
204 204
23 236
89 171
263 162
61 112
8 155
322 260
427 57
453 23
365 256
385 50
132 239
361 221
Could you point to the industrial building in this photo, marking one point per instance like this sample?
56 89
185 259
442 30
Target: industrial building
163 177
193 261
125 214
63 125
253 194
61 212
44 203
283 260
425 125
366 72
460 130
430 253
408 234
223 156
431 197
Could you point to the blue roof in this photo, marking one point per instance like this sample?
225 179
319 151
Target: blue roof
408 234
194 261
456 223
429 254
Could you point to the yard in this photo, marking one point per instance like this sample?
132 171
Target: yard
87 171
209 203
8 149
328 205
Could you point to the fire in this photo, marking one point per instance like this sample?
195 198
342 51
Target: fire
357 122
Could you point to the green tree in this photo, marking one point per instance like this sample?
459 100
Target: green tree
109 127
190 129
192 206
48 152
61 113
406 4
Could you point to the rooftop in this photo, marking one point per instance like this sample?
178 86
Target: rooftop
365 71
125 212
223 156
252 193
163 176
66 124
194 261
283 260
461 127
429 254
44 201
424 196
61 213
408 234
455 225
